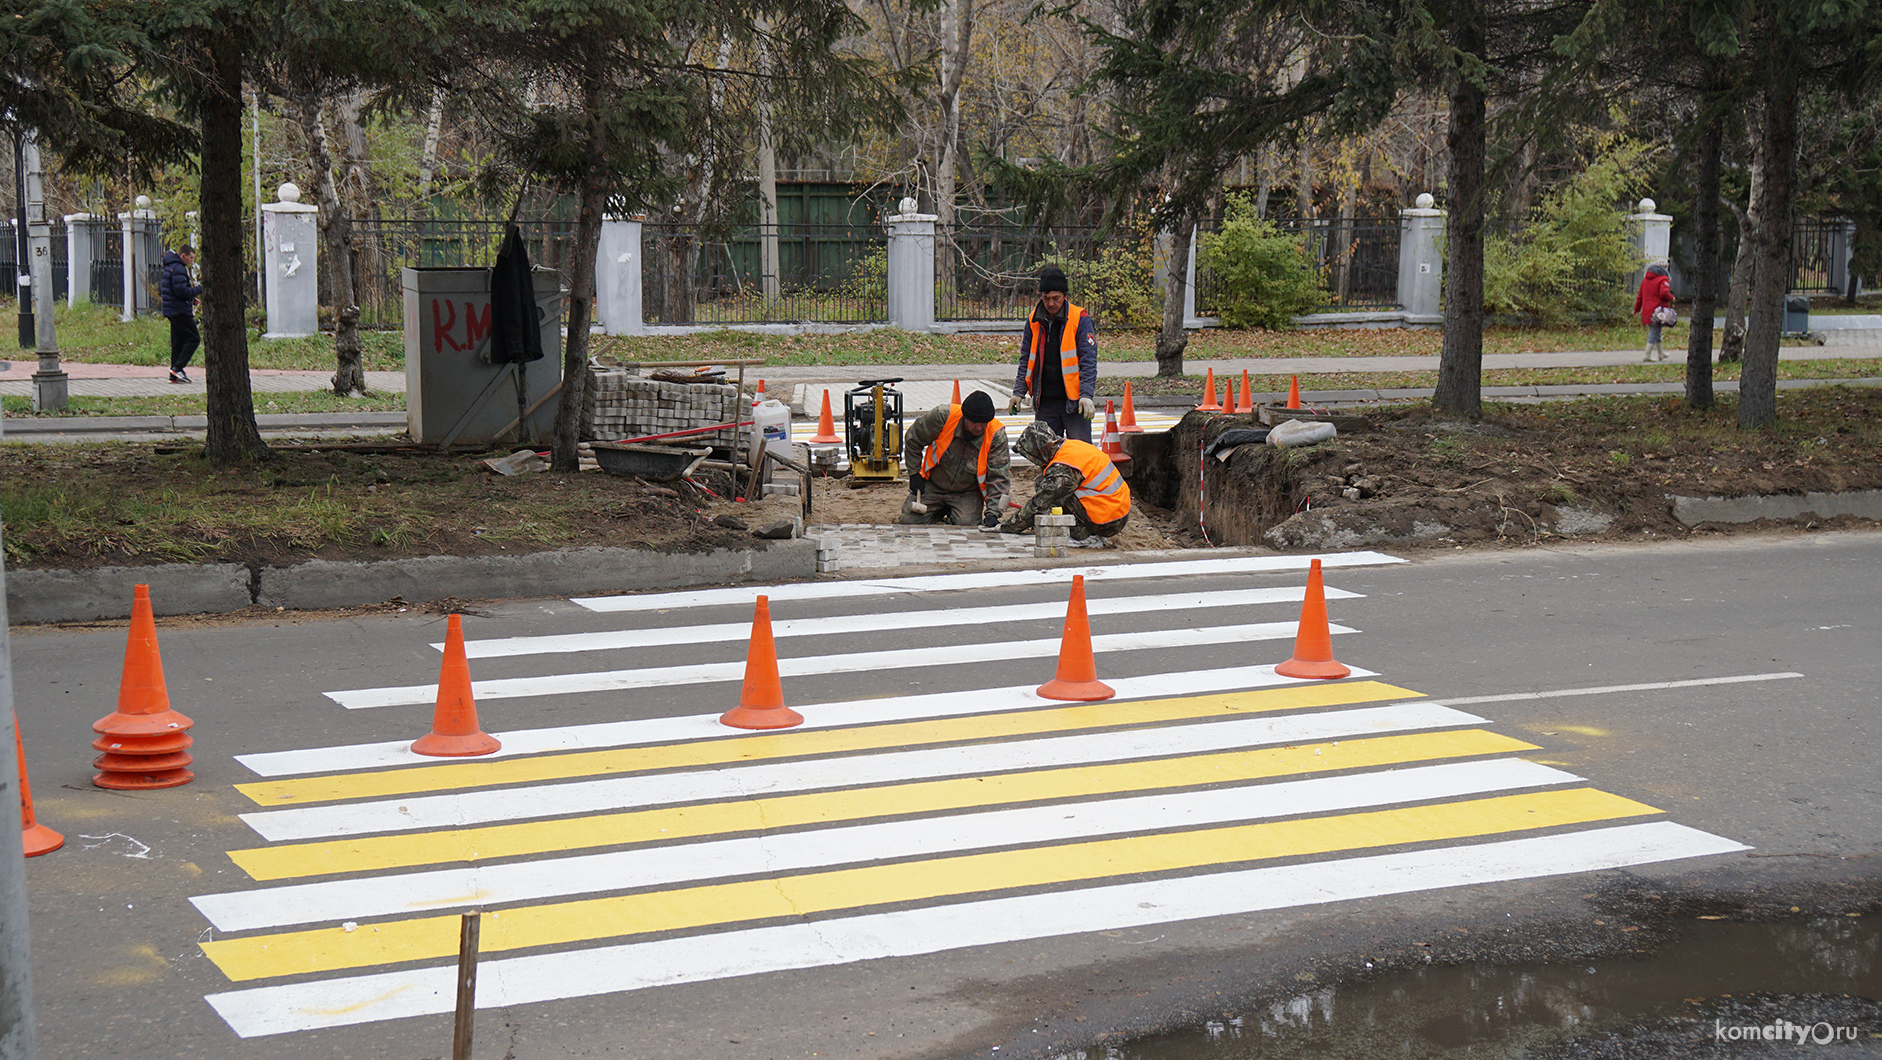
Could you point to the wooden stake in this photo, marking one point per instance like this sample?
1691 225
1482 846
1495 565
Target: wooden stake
466 986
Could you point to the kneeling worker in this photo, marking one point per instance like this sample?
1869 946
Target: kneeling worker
1078 479
957 459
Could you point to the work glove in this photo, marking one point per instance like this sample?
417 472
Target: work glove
1012 407
991 517
917 482
1086 408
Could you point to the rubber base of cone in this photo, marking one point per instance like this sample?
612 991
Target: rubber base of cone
174 778
761 718
41 840
1076 691
162 723
477 743
143 745
1313 671
116 763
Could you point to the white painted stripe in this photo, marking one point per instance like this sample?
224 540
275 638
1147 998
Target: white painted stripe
823 943
816 716
489 885
1058 576
1651 686
854 662
914 621
458 809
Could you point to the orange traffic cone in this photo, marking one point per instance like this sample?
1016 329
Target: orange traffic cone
826 427
454 730
1229 404
956 399
758 396
1112 443
1248 395
1208 395
1313 642
39 839
1078 671
145 743
1293 392
761 702
1127 419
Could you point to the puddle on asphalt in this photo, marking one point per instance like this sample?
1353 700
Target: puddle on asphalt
1490 1012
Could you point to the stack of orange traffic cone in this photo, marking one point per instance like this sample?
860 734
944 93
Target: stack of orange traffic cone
1293 392
145 743
39 839
826 427
761 702
454 729
1208 395
1313 641
1112 444
1248 395
1127 419
1077 677
956 399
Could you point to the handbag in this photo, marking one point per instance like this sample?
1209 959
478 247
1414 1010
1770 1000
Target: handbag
1664 316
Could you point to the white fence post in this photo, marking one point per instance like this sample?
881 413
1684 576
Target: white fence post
1652 236
78 255
911 269
291 265
1421 262
1189 283
618 305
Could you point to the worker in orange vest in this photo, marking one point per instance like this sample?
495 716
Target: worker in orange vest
1058 360
1078 479
957 460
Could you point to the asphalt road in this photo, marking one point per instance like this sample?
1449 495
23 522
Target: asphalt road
1120 925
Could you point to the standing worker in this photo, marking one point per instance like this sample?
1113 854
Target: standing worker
1058 360
179 308
1078 479
957 460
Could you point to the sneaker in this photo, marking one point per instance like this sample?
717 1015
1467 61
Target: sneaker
178 377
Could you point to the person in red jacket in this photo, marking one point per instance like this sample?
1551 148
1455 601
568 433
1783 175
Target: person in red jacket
1655 291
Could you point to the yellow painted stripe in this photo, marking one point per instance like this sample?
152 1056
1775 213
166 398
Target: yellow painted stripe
429 938
378 853
460 775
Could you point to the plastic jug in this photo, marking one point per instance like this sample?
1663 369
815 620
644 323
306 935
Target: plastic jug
771 421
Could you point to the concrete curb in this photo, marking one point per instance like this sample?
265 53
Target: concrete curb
104 593
195 424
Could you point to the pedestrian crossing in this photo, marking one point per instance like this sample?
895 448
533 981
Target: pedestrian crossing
617 855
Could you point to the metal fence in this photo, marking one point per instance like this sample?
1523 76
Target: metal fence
10 254
1357 258
992 273
381 248
1819 252
823 273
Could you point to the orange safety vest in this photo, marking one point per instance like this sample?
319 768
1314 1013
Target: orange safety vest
932 455
1068 351
1103 493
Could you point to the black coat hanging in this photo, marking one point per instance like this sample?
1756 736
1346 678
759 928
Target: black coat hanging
515 318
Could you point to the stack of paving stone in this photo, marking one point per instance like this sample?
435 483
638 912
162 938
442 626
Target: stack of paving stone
829 561
621 405
1051 535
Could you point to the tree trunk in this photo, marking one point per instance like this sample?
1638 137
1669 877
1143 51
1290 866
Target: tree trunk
1172 340
1264 179
232 434
1705 217
336 230
1738 296
428 161
1460 362
594 203
957 31
1771 237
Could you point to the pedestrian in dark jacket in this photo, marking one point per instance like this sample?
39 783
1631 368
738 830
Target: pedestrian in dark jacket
179 297
1656 290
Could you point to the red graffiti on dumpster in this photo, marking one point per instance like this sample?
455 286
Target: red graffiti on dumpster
444 321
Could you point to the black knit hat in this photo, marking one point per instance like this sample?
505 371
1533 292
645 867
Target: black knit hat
1052 278
977 407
